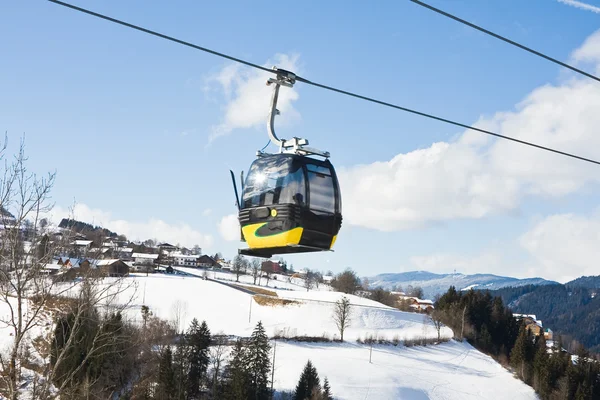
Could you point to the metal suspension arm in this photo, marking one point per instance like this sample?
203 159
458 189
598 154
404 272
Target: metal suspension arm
295 145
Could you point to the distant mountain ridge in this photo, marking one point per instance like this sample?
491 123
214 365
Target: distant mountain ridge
590 282
433 283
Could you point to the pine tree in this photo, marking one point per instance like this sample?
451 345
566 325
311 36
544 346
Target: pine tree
327 390
541 382
309 381
198 340
236 373
181 370
521 356
259 363
166 377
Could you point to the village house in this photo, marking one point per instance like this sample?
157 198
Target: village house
532 324
206 261
271 267
413 303
183 260
144 259
114 267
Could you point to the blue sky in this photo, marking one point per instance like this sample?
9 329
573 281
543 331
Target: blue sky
126 119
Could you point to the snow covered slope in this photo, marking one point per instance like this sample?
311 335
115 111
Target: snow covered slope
450 371
433 284
236 313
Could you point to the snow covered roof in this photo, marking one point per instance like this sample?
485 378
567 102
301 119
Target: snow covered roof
83 242
184 256
144 255
100 263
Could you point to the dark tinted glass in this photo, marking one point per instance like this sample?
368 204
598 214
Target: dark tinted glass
322 192
274 180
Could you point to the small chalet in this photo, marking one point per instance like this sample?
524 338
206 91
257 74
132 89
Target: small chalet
182 260
167 247
271 266
143 258
67 262
206 261
532 324
416 304
114 268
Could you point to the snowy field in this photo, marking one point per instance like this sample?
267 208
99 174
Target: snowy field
450 371
234 312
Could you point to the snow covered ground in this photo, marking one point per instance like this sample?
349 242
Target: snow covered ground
236 313
450 371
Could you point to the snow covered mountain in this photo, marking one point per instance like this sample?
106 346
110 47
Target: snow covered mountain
433 284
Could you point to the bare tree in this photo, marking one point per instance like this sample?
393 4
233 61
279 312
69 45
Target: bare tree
239 266
178 311
436 318
318 278
267 268
347 282
342 315
309 279
217 356
255 265
27 248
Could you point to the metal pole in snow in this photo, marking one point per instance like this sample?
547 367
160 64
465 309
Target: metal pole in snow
250 310
370 352
273 371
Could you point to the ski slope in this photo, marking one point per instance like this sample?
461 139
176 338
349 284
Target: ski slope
234 312
449 371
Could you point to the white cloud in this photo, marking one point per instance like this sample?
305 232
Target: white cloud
229 227
140 230
581 5
589 51
564 246
476 176
206 212
248 96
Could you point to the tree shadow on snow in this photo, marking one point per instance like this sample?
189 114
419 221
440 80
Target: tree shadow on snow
411 393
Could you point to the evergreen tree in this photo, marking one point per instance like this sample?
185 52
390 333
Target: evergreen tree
327 390
309 381
541 381
198 340
181 370
521 356
259 363
166 376
236 374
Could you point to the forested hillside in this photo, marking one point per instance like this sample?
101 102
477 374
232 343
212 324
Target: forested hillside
571 311
585 281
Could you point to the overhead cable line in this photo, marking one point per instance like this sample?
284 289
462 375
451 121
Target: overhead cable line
497 36
322 86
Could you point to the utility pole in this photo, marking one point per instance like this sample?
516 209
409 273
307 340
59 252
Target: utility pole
273 371
250 310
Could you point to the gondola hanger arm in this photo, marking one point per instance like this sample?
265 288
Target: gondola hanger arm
294 145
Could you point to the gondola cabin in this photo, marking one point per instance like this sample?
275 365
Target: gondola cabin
290 204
